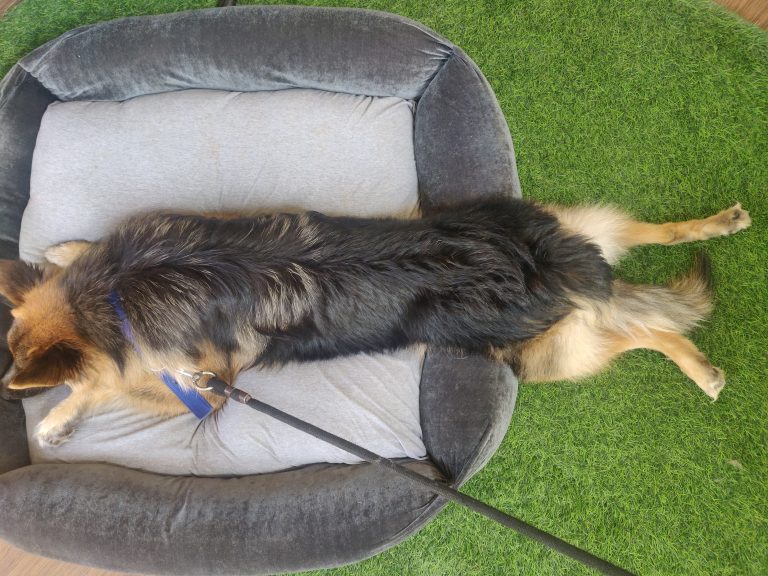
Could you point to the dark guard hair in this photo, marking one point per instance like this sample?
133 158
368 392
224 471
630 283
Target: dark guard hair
312 286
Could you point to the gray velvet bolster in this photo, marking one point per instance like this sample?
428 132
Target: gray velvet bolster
242 49
466 406
14 452
23 101
463 147
318 516
312 517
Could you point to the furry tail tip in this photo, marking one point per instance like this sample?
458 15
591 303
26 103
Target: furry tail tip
702 270
696 286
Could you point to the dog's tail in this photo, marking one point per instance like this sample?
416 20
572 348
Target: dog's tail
677 307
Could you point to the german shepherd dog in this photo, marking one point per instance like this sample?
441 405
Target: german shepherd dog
523 284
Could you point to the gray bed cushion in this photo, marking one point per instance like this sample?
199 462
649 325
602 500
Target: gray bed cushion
97 162
205 150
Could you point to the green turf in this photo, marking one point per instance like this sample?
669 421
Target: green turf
660 106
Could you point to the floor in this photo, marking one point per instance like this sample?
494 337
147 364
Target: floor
753 10
14 562
5 4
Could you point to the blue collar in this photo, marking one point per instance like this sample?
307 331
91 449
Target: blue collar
191 398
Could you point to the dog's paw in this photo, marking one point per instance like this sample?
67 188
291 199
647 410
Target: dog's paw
53 434
714 383
732 220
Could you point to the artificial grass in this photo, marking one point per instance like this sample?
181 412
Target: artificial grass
661 107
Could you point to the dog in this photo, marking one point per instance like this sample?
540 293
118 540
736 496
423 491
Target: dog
525 284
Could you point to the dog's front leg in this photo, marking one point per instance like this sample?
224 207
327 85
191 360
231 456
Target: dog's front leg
57 427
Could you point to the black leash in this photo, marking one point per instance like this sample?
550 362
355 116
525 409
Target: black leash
223 389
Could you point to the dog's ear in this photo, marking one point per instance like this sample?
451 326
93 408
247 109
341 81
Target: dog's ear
17 278
62 255
60 363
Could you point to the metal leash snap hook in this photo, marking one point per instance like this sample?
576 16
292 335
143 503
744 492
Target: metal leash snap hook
200 379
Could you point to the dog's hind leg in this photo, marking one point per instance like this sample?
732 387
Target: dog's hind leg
615 232
582 345
558 356
636 316
682 352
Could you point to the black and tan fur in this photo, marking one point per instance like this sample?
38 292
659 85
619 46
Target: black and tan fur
524 284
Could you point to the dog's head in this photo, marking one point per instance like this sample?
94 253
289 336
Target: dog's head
43 340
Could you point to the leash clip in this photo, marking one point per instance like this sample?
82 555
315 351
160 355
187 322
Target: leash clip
200 379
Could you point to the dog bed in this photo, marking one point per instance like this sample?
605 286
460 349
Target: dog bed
456 147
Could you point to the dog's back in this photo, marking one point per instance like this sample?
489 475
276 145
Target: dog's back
317 286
